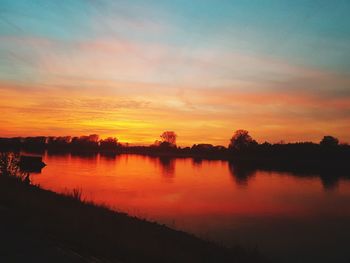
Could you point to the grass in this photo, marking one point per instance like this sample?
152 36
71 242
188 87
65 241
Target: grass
76 194
96 232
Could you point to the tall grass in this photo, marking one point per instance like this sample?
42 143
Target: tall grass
9 166
77 194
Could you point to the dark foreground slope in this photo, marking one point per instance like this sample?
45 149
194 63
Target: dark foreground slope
42 226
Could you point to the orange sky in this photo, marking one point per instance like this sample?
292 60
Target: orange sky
197 115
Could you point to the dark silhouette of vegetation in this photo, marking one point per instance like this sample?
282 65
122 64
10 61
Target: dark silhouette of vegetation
59 142
207 149
10 167
169 137
109 144
329 141
85 143
76 194
167 142
242 148
328 159
241 141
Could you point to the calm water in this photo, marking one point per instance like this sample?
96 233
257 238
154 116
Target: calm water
288 217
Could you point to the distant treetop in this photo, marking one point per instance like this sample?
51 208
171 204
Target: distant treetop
241 140
169 137
329 141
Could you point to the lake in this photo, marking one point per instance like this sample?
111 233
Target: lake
288 217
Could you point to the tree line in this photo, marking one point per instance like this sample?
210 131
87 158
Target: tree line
240 146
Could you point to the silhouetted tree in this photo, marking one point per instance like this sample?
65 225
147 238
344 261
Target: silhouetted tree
93 138
83 143
109 143
329 141
202 148
168 142
34 143
169 137
241 140
156 143
58 143
64 139
10 143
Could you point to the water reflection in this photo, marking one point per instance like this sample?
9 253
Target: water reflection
329 181
167 165
241 173
203 199
197 162
92 156
108 155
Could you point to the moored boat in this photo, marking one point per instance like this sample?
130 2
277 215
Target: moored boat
31 163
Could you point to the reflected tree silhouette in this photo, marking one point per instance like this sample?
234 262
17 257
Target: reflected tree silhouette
167 165
108 155
86 155
329 181
197 162
241 173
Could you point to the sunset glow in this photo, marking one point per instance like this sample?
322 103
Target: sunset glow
201 68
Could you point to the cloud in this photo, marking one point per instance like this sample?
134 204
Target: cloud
112 85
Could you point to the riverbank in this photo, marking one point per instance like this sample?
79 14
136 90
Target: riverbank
41 224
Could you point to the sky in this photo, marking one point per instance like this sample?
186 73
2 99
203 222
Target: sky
202 68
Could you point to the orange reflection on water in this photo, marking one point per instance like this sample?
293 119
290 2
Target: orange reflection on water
208 198
172 188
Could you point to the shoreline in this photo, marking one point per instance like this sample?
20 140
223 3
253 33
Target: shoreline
92 231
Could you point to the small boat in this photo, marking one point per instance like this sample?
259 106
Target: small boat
31 163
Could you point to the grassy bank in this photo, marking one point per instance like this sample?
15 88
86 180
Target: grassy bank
64 227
